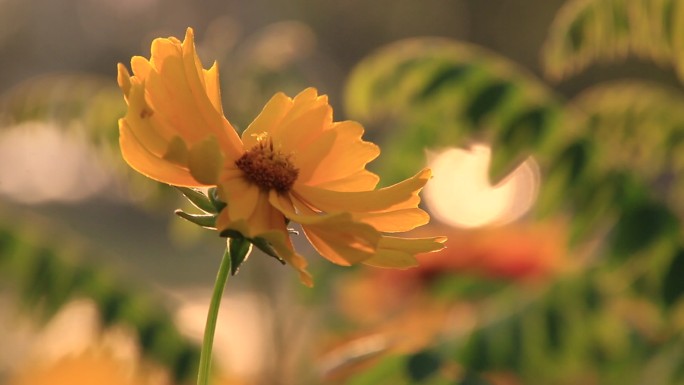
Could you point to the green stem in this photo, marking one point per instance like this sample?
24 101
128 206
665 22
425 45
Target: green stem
212 315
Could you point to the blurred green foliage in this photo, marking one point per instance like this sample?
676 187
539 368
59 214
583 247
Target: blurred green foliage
585 32
610 163
48 273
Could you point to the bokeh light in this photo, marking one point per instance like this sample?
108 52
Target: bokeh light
40 162
461 194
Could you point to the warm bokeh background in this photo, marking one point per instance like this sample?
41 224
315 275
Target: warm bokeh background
554 128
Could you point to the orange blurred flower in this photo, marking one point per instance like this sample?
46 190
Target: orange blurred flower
398 314
87 368
292 163
518 252
531 252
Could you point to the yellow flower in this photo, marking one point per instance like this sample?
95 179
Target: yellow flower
293 163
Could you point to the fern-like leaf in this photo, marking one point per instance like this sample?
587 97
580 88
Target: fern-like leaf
439 92
589 31
442 93
638 128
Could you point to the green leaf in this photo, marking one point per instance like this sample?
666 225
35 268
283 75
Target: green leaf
477 351
447 78
112 304
388 370
637 128
641 226
590 31
673 283
528 129
264 246
473 379
198 199
487 101
438 93
239 249
229 233
574 161
567 173
554 322
423 365
205 220
260 243
9 243
218 204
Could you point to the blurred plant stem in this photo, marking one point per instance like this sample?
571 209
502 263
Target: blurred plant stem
212 315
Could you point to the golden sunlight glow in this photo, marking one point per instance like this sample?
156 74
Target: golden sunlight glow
460 193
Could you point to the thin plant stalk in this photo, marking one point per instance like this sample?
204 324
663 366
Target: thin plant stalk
212 315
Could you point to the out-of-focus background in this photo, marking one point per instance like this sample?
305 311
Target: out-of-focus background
555 131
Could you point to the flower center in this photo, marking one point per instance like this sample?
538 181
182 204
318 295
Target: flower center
267 168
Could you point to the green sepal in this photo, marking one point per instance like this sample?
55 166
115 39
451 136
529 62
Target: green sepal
198 199
260 243
229 233
239 249
266 247
204 220
215 201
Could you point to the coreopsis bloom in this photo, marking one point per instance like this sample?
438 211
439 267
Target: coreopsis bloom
293 163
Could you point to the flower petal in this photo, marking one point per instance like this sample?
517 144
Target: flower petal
298 134
347 156
399 196
149 164
290 121
123 77
277 238
141 67
399 253
177 90
177 152
337 237
270 116
205 161
258 215
392 259
283 246
184 98
395 220
412 245
195 78
304 101
308 161
213 87
140 119
242 196
363 180
342 241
